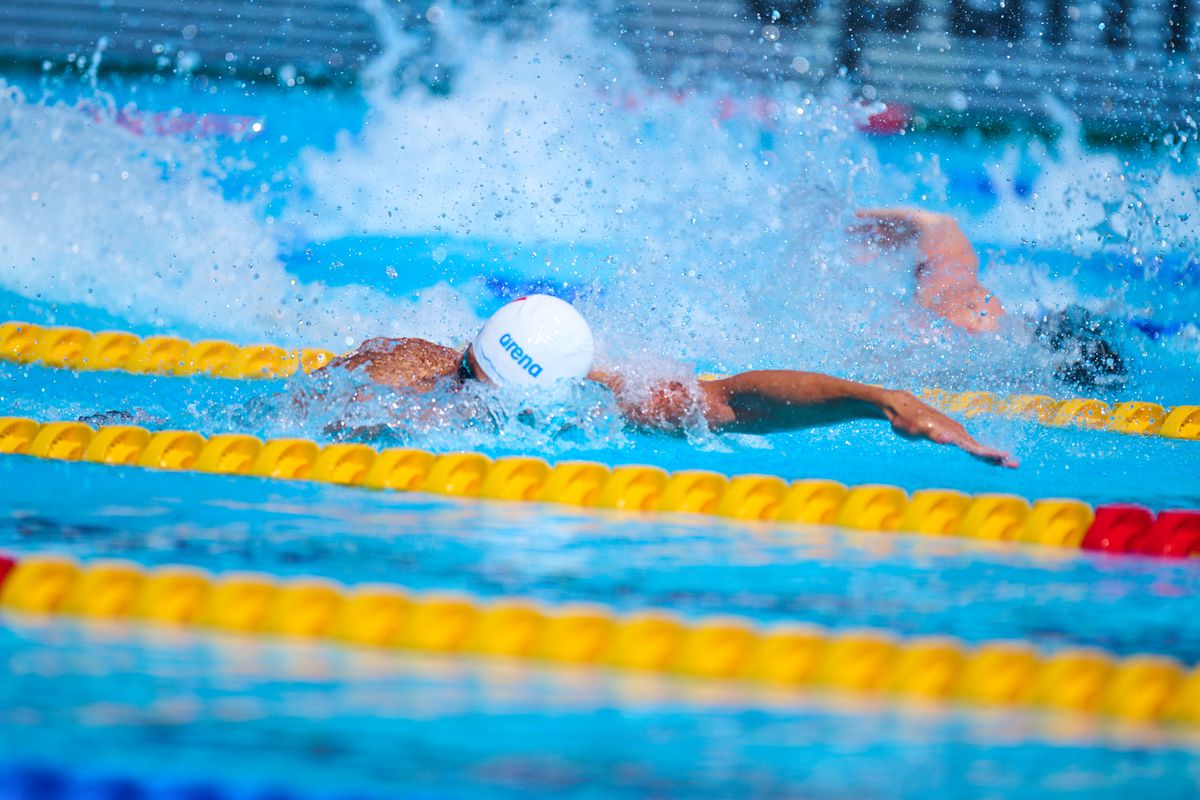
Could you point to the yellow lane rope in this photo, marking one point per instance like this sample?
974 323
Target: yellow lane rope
1180 422
77 349
589 484
1142 688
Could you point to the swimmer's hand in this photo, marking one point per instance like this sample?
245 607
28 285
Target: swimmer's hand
887 228
942 247
891 228
911 417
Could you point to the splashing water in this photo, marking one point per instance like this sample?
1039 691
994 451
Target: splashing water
138 226
717 241
700 224
1088 201
345 406
691 235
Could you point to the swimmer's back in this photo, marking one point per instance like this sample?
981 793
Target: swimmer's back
414 364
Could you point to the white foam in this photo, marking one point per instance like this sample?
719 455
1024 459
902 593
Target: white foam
724 235
725 247
722 239
1086 201
138 227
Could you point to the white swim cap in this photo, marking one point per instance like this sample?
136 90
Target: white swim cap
534 341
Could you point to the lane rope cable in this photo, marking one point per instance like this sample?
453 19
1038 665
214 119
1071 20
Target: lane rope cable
1063 523
1142 688
81 350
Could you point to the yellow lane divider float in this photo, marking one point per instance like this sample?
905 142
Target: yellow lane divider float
77 349
1180 422
1143 688
937 512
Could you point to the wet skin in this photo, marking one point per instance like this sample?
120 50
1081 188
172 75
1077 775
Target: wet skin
761 401
946 268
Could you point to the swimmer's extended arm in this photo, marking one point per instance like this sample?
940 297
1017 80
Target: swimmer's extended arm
778 400
947 268
773 400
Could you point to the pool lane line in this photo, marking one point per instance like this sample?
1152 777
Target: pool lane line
1061 523
1145 688
77 349
80 350
1147 419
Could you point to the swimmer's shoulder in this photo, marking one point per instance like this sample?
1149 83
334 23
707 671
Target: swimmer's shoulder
407 363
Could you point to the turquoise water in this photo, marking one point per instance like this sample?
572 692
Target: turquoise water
413 727
907 584
690 245
1155 471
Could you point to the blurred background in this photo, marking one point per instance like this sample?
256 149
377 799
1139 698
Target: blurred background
1124 68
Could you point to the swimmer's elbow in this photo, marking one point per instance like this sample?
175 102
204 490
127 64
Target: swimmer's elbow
718 411
667 406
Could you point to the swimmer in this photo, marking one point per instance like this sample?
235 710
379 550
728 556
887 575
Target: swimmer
538 340
947 283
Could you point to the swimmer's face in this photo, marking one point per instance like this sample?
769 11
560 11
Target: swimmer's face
470 369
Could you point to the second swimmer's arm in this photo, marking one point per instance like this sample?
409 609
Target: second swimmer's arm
773 400
947 271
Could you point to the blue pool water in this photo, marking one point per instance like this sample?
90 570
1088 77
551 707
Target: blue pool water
429 728
841 580
1154 471
690 244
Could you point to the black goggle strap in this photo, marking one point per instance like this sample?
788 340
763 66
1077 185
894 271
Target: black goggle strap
465 372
